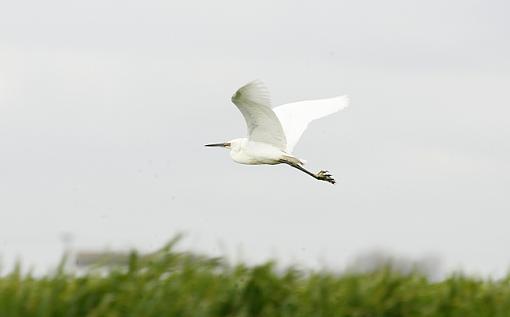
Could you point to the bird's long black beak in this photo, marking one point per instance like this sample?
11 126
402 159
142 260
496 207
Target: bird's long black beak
218 144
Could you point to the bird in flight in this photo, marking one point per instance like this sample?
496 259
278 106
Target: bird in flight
273 133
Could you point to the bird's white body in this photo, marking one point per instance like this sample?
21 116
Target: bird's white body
244 151
273 133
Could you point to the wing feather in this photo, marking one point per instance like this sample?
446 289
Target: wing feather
255 105
295 117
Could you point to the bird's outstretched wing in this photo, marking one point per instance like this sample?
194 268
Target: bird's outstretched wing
263 126
295 117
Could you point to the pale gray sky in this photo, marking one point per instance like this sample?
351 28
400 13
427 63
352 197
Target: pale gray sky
105 106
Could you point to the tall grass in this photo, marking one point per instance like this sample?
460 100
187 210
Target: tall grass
171 283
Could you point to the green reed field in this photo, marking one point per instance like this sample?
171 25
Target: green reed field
171 283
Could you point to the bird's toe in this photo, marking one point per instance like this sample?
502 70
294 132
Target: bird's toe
325 176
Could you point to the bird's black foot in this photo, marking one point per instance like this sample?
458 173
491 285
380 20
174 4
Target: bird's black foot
325 176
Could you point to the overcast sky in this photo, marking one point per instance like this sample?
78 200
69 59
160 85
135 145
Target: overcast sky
105 107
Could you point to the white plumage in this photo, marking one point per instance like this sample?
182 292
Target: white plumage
255 104
295 117
273 133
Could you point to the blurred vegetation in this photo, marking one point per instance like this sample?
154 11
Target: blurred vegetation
171 283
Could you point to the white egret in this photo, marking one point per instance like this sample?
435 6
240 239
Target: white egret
273 133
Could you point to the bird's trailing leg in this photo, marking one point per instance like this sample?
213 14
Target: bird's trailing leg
321 175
